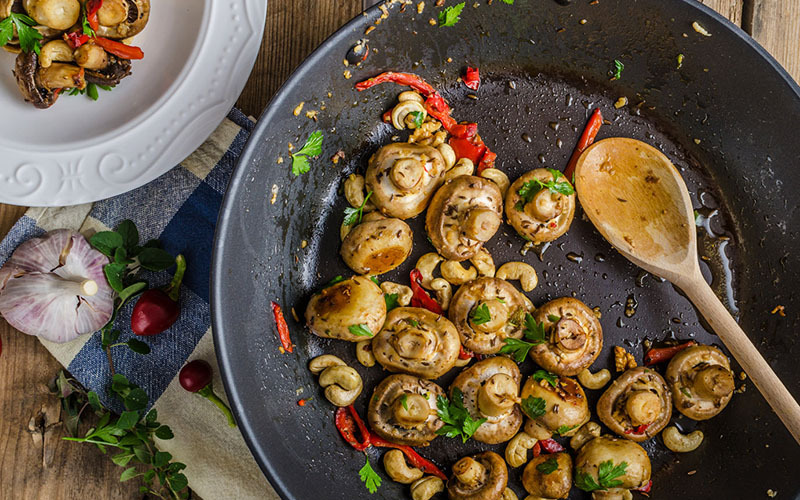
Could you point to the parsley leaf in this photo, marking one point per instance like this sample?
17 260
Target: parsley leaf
419 117
534 331
509 2
563 429
300 165
534 407
458 421
553 318
85 26
548 466
450 15
28 35
369 477
391 301
354 215
335 280
533 186
360 330
404 401
518 349
551 378
312 147
618 67
480 315
606 477
535 335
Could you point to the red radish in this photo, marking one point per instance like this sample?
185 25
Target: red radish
196 377
157 309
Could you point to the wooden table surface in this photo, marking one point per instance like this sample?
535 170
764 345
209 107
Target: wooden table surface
34 462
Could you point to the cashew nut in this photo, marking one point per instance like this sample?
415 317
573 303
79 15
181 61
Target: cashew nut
57 50
402 110
425 488
320 363
508 494
498 177
517 449
448 154
410 95
462 362
521 271
354 190
483 262
395 464
344 230
594 380
403 292
681 443
426 265
464 166
586 433
364 353
444 292
342 384
455 273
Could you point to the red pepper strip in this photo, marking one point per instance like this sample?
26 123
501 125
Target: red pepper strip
283 328
472 78
646 488
537 449
347 425
443 116
92 6
119 49
412 456
387 117
465 354
464 148
586 140
638 430
75 39
420 298
661 354
464 131
407 79
551 446
487 161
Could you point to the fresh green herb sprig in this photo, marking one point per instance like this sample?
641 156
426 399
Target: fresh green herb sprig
28 35
85 26
369 477
548 466
480 315
551 378
606 477
404 401
353 216
451 15
312 148
534 407
534 334
616 74
458 421
419 118
392 301
563 429
360 330
91 90
533 186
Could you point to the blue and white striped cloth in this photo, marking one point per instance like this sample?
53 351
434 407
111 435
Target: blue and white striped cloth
179 208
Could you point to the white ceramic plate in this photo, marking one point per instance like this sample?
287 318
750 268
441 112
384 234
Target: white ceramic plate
198 56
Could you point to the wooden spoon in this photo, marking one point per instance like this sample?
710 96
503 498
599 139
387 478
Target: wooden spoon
638 201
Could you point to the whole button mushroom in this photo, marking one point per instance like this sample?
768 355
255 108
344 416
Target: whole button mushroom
548 476
480 477
564 409
352 310
403 177
490 390
486 311
463 215
378 246
701 381
122 18
403 410
637 405
416 341
540 205
574 336
609 467
56 14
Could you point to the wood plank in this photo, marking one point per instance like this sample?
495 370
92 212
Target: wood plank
775 24
732 9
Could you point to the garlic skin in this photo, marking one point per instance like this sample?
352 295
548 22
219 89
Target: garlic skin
53 287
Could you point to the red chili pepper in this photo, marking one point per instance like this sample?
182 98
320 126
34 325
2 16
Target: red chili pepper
407 79
283 328
443 116
92 6
420 298
465 354
346 425
464 148
472 78
158 309
638 429
302 402
487 161
387 117
550 446
75 39
119 49
412 456
646 488
661 354
586 140
537 449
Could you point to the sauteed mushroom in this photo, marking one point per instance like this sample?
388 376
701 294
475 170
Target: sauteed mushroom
56 14
565 406
635 473
378 246
403 177
463 215
490 390
123 18
486 311
539 213
480 477
416 341
701 381
403 410
637 405
347 310
574 336
541 480
32 84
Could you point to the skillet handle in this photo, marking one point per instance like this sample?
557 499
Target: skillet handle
756 367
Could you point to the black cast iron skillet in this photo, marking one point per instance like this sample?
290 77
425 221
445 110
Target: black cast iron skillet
728 118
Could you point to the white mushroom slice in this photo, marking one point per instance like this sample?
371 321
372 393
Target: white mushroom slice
565 406
347 310
538 213
402 409
483 476
605 449
637 405
701 381
550 483
56 14
377 247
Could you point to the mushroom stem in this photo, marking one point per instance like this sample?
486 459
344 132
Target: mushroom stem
569 334
713 382
412 411
407 173
414 343
544 206
497 396
643 407
481 224
469 471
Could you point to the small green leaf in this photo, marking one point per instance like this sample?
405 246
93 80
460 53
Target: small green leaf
122 459
115 273
164 432
419 118
178 481
94 401
375 280
332 282
369 477
548 466
121 256
353 215
534 407
155 259
313 146
300 165
680 61
136 400
404 401
391 301
106 242
161 458
91 91
553 318
480 314
119 383
130 235
128 419
360 330
618 67
138 346
143 456
129 473
451 15
563 429
509 2
551 378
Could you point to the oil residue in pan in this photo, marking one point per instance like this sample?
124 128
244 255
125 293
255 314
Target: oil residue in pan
532 122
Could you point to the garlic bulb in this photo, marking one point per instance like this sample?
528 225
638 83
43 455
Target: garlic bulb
54 287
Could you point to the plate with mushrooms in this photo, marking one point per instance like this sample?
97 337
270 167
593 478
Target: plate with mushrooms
457 326
93 103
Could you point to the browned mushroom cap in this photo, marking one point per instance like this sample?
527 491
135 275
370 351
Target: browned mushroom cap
403 410
463 215
26 71
637 405
376 247
565 406
701 381
574 336
543 214
347 310
125 18
606 448
548 476
416 341
480 477
403 177
504 305
112 74
490 390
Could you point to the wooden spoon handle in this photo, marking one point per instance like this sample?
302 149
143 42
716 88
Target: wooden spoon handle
734 338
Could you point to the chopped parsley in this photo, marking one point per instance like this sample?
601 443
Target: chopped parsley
354 215
534 335
391 301
563 429
458 421
375 280
480 315
312 148
686 392
509 2
332 282
533 186
618 67
533 407
418 117
606 477
369 477
551 378
412 322
360 330
548 466
404 401
680 61
553 318
450 15
28 35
